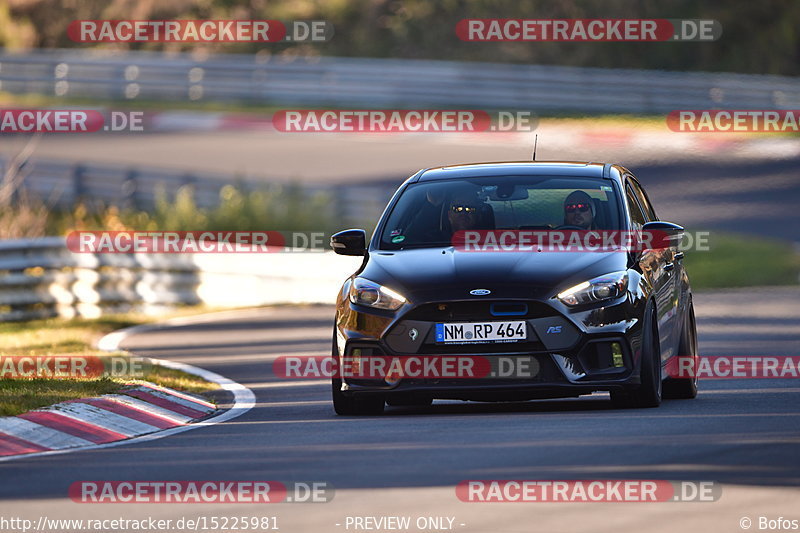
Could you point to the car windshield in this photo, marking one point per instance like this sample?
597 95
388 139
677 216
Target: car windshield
429 213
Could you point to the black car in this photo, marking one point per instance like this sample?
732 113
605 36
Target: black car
585 320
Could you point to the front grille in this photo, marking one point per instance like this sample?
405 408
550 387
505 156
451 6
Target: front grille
431 348
477 310
548 373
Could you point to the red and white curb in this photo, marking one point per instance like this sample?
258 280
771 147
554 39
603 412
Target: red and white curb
138 410
138 413
557 136
169 121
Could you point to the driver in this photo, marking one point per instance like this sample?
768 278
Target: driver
579 211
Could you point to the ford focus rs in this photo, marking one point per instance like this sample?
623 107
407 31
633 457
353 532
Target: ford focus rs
460 311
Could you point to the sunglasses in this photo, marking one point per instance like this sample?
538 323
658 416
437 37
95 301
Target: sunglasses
463 209
571 208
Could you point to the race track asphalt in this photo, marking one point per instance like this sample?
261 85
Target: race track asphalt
744 434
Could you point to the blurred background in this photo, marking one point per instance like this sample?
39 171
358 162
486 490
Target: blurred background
209 158
759 38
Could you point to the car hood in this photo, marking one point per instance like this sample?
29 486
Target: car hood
435 273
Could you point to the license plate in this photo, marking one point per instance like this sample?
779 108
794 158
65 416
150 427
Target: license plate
471 332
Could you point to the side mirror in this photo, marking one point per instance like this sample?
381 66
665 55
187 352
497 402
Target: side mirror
662 234
350 242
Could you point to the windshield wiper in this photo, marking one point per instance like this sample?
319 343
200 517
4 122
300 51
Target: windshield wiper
426 245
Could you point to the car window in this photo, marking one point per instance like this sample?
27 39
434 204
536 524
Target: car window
429 213
644 202
637 217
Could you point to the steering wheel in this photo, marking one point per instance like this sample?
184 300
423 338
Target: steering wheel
567 226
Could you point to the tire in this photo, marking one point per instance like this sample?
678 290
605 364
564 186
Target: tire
648 393
352 405
685 388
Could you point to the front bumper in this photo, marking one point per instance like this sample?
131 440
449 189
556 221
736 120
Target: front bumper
571 352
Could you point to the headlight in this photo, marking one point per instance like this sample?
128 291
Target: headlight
596 290
369 293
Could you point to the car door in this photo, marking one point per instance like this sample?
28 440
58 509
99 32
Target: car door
679 290
658 266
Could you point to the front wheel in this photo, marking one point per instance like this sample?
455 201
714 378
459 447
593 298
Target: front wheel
648 394
352 405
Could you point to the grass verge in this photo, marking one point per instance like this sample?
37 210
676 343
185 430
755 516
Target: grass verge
742 261
653 122
76 338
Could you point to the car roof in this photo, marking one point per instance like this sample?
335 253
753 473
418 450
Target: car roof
517 168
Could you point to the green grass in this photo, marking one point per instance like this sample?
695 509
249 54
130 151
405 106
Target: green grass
263 109
76 337
280 207
58 336
21 395
43 100
742 261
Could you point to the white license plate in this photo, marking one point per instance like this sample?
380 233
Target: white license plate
467 332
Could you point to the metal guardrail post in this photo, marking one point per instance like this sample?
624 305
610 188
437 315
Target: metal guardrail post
42 278
188 180
129 190
77 182
334 81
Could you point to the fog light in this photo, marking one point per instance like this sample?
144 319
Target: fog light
616 354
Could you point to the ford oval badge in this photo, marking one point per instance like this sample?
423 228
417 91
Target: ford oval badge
480 292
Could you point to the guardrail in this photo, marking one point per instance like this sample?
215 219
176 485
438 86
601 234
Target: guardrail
332 81
41 278
61 184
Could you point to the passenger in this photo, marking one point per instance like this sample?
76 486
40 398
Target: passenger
465 212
